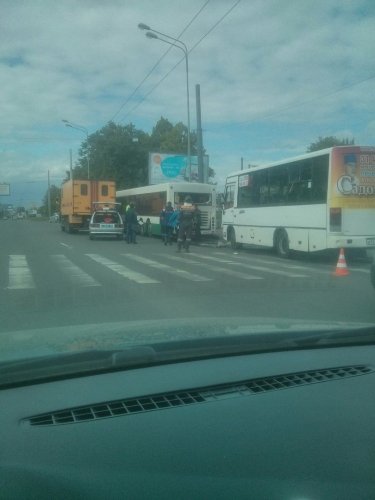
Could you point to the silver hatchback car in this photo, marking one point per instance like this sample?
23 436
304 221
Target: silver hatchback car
106 222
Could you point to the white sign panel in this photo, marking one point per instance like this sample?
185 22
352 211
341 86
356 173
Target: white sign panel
4 189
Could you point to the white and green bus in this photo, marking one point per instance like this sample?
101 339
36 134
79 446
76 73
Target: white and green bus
313 202
150 200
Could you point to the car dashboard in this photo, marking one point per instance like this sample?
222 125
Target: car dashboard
279 425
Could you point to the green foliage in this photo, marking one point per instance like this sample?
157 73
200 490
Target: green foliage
116 152
55 200
328 142
168 138
120 152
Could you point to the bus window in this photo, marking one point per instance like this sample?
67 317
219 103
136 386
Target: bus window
244 190
278 184
253 189
300 182
84 190
105 190
261 191
320 179
229 196
150 203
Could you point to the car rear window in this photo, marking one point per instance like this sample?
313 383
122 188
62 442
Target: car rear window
107 217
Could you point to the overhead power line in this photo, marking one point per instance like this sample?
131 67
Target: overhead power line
182 59
159 61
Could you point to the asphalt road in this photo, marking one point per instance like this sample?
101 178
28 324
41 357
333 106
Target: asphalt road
50 278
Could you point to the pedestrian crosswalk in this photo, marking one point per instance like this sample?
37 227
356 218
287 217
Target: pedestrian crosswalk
122 270
181 273
89 270
72 272
20 276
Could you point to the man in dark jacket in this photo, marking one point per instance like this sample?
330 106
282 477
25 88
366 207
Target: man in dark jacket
131 224
166 223
186 225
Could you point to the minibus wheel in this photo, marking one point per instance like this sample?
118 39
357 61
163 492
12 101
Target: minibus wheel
232 239
282 243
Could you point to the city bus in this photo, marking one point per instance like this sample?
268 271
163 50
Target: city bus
150 200
318 201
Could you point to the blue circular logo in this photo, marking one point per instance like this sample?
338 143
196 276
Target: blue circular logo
172 166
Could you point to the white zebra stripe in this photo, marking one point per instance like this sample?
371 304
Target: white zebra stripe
121 270
20 276
74 273
164 267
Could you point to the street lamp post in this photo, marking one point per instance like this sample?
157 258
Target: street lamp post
85 131
151 33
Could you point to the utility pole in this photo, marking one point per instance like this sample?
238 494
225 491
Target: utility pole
202 175
49 197
71 164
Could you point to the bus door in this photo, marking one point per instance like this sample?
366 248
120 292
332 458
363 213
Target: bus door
228 206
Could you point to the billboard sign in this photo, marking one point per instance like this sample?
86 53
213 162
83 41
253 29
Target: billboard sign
173 167
353 178
4 189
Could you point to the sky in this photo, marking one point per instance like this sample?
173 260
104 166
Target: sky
274 76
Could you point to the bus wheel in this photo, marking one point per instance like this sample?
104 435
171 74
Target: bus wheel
232 239
282 244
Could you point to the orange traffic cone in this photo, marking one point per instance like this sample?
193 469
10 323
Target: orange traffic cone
341 269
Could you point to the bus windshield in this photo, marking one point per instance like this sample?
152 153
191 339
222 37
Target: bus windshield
196 198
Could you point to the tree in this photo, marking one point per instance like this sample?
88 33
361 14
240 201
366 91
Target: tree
118 153
169 138
329 142
54 193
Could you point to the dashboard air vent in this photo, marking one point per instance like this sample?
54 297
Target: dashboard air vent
148 403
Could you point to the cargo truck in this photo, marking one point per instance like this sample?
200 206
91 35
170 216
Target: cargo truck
77 202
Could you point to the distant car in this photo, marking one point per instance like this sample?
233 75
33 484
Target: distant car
106 222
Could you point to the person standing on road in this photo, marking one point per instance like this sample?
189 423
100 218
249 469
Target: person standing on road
131 224
126 208
163 225
166 223
186 225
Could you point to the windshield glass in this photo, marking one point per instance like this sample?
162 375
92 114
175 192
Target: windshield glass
254 122
106 217
199 198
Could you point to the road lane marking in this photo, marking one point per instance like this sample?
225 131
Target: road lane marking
168 269
358 270
310 269
74 273
221 270
67 246
121 270
278 263
20 276
251 266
